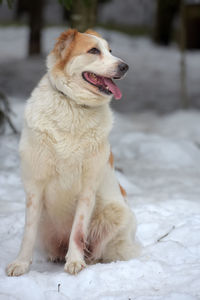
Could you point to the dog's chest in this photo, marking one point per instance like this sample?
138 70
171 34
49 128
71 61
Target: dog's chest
71 152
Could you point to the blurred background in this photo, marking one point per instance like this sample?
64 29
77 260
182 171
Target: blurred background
159 39
155 141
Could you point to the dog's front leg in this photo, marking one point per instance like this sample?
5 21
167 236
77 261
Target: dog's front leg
75 255
92 173
33 210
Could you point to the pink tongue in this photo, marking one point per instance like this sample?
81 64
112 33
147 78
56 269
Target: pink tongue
112 87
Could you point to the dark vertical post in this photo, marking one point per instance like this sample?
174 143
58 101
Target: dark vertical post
165 13
183 75
35 10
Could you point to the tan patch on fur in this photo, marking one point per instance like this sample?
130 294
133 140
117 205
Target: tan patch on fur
29 203
78 43
86 200
29 200
62 39
123 192
111 159
92 32
81 217
79 236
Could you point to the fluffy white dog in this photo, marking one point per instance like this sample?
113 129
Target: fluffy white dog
73 196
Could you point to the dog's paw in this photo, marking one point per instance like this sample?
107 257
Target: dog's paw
17 268
74 267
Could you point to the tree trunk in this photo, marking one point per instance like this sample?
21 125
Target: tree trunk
166 11
192 25
35 11
83 15
183 74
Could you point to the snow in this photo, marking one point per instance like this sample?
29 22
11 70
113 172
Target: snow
158 162
157 158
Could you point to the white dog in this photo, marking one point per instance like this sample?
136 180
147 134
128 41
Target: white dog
73 196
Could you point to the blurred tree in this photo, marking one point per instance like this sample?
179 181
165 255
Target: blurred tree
34 9
82 14
166 11
183 69
9 2
191 15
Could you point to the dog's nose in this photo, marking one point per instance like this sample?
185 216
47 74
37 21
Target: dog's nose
122 68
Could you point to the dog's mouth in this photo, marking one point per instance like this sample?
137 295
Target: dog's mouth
104 84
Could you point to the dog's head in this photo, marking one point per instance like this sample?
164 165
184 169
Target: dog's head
82 67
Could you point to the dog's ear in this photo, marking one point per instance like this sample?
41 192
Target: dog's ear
92 32
65 42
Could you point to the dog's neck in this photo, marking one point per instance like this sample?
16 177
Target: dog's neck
64 115
63 94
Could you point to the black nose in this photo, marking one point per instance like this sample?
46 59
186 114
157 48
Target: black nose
122 68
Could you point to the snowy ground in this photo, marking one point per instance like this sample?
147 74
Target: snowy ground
158 162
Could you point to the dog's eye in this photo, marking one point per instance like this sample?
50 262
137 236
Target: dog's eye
110 50
94 51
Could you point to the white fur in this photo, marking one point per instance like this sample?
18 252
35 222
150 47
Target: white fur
71 189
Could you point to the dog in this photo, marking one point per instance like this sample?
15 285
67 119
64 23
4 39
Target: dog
73 199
